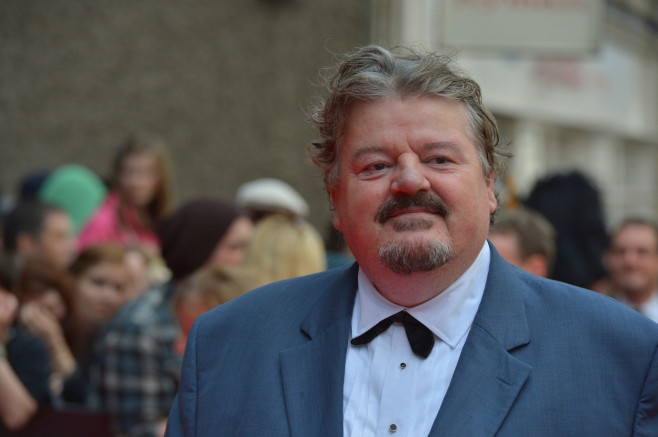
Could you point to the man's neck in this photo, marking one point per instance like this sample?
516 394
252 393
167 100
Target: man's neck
411 290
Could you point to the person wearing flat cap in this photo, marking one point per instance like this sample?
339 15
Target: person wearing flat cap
267 196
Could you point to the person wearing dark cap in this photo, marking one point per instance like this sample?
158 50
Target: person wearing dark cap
30 184
189 237
135 370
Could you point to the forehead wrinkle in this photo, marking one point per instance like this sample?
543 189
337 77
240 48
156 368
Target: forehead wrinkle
368 150
434 145
440 145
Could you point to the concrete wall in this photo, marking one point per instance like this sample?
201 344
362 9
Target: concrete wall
226 83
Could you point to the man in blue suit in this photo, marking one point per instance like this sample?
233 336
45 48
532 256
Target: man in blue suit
431 332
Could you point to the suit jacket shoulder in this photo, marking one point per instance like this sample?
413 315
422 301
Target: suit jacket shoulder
258 364
282 307
554 308
545 358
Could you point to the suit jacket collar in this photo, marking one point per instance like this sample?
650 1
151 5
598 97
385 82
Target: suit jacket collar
502 310
486 382
313 372
488 378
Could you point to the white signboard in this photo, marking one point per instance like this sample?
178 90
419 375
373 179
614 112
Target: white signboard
547 26
614 90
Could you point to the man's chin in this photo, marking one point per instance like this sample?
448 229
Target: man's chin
407 257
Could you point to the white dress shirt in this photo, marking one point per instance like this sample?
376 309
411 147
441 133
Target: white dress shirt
388 390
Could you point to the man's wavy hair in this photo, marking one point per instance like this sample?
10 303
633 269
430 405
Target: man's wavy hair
374 73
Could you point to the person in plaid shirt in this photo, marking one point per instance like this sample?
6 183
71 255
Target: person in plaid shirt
135 370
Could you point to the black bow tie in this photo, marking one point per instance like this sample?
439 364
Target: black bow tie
421 339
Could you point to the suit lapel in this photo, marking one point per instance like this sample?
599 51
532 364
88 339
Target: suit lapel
313 372
486 382
488 378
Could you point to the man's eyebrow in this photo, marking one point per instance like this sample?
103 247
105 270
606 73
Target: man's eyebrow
440 145
368 150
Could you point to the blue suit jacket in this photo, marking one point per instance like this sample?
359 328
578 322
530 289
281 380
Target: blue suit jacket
542 359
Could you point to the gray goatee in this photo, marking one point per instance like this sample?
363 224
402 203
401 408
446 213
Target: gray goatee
406 257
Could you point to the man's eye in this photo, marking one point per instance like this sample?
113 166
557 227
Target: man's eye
439 160
378 166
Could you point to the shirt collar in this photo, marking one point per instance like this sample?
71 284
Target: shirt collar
449 315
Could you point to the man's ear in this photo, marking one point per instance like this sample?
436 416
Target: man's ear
333 196
491 191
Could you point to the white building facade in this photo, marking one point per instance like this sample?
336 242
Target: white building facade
573 83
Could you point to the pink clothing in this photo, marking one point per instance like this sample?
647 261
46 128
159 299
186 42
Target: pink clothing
105 226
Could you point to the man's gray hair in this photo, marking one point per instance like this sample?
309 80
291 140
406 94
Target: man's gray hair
374 73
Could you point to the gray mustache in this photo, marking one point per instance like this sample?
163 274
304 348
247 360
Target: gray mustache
431 202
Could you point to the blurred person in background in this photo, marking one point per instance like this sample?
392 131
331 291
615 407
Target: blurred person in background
45 295
140 196
135 369
24 364
76 190
282 248
338 252
101 284
66 310
30 183
525 239
38 231
572 203
147 270
632 262
206 289
266 196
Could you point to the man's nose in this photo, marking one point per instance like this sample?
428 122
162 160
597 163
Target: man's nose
409 177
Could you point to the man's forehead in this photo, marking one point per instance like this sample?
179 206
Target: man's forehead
641 236
635 229
448 112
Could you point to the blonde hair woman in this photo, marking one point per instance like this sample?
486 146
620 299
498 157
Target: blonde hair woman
282 247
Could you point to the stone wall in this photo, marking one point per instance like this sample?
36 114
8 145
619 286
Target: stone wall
225 83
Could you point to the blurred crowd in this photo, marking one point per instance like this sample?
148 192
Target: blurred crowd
102 277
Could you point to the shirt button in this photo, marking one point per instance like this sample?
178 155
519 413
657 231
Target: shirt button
392 427
403 365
